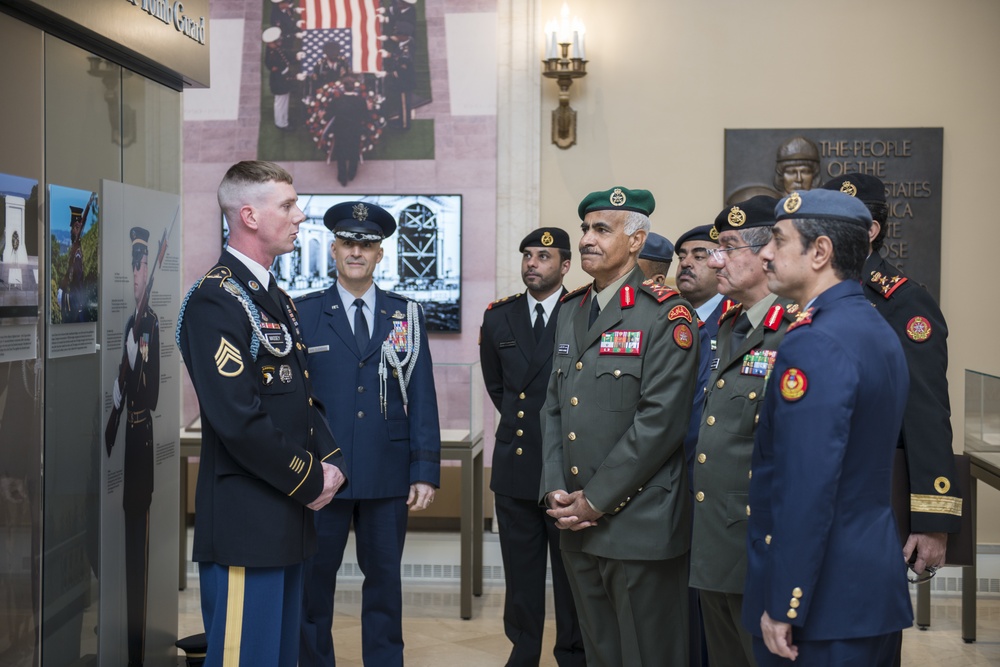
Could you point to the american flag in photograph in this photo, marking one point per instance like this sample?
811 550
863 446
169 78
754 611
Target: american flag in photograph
356 20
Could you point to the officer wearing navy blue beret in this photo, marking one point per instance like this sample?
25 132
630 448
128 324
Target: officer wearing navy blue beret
371 364
655 258
615 415
515 351
935 502
268 460
825 579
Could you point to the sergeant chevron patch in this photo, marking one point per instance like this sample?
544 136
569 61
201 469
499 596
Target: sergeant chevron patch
228 360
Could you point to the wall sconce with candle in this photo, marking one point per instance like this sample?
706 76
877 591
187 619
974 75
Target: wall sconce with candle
565 60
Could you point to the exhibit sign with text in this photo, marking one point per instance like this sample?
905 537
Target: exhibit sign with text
907 160
140 370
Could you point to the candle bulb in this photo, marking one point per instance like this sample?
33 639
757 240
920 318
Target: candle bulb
554 47
576 44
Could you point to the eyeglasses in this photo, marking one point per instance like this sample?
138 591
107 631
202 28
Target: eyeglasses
923 577
718 256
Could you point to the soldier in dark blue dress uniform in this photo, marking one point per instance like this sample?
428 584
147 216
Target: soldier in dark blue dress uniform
268 459
515 351
371 363
825 580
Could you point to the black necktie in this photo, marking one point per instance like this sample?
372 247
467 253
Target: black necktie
360 325
595 310
275 293
539 322
740 330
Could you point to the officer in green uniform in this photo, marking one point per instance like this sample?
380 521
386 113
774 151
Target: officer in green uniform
617 409
748 337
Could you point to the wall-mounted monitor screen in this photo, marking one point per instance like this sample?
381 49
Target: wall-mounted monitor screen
422 260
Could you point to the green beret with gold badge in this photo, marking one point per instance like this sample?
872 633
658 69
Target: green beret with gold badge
618 199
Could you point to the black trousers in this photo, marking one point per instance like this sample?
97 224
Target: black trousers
528 541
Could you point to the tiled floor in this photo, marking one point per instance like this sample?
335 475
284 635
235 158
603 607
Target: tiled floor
436 637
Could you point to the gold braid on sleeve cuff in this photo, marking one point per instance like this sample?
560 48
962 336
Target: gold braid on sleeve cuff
935 504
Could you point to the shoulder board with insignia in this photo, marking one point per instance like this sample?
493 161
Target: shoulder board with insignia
659 292
575 293
802 319
733 310
506 299
885 284
729 304
219 273
310 295
397 295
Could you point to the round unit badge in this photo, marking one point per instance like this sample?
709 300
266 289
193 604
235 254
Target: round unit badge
713 234
793 203
736 217
918 329
683 336
849 188
793 384
617 197
547 239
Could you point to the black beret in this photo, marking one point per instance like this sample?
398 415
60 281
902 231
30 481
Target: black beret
657 248
701 233
823 205
618 199
754 212
359 221
546 237
868 189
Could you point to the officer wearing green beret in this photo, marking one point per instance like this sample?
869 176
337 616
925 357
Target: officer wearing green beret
617 409
747 340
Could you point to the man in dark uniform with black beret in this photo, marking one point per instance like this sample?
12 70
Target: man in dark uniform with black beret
616 411
371 364
655 258
268 459
138 386
515 352
748 337
935 499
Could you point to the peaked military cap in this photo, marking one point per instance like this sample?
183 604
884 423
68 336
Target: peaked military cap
699 233
657 248
754 212
868 189
618 199
140 243
823 205
359 221
546 237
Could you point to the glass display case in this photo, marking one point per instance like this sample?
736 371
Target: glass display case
982 412
460 394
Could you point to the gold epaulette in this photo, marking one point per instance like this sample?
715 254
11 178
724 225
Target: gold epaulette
659 292
886 284
732 311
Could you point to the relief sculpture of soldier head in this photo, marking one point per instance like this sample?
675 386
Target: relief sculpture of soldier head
796 166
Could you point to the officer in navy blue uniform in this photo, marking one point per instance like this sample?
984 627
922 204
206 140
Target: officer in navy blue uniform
268 459
371 363
935 501
515 351
825 578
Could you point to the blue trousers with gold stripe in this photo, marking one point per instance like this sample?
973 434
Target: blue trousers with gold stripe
251 614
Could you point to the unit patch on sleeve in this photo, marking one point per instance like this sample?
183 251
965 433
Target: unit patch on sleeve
679 313
793 384
683 336
621 342
918 329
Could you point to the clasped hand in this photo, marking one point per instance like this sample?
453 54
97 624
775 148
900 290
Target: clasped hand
571 510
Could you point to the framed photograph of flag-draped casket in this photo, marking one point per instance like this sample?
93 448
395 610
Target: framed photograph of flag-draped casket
422 260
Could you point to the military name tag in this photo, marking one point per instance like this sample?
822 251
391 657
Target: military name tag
758 363
563 349
274 337
397 337
621 342
318 348
507 343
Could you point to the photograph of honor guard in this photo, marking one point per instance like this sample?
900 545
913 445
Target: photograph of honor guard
935 497
268 459
369 358
137 387
747 340
515 351
826 583
616 411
